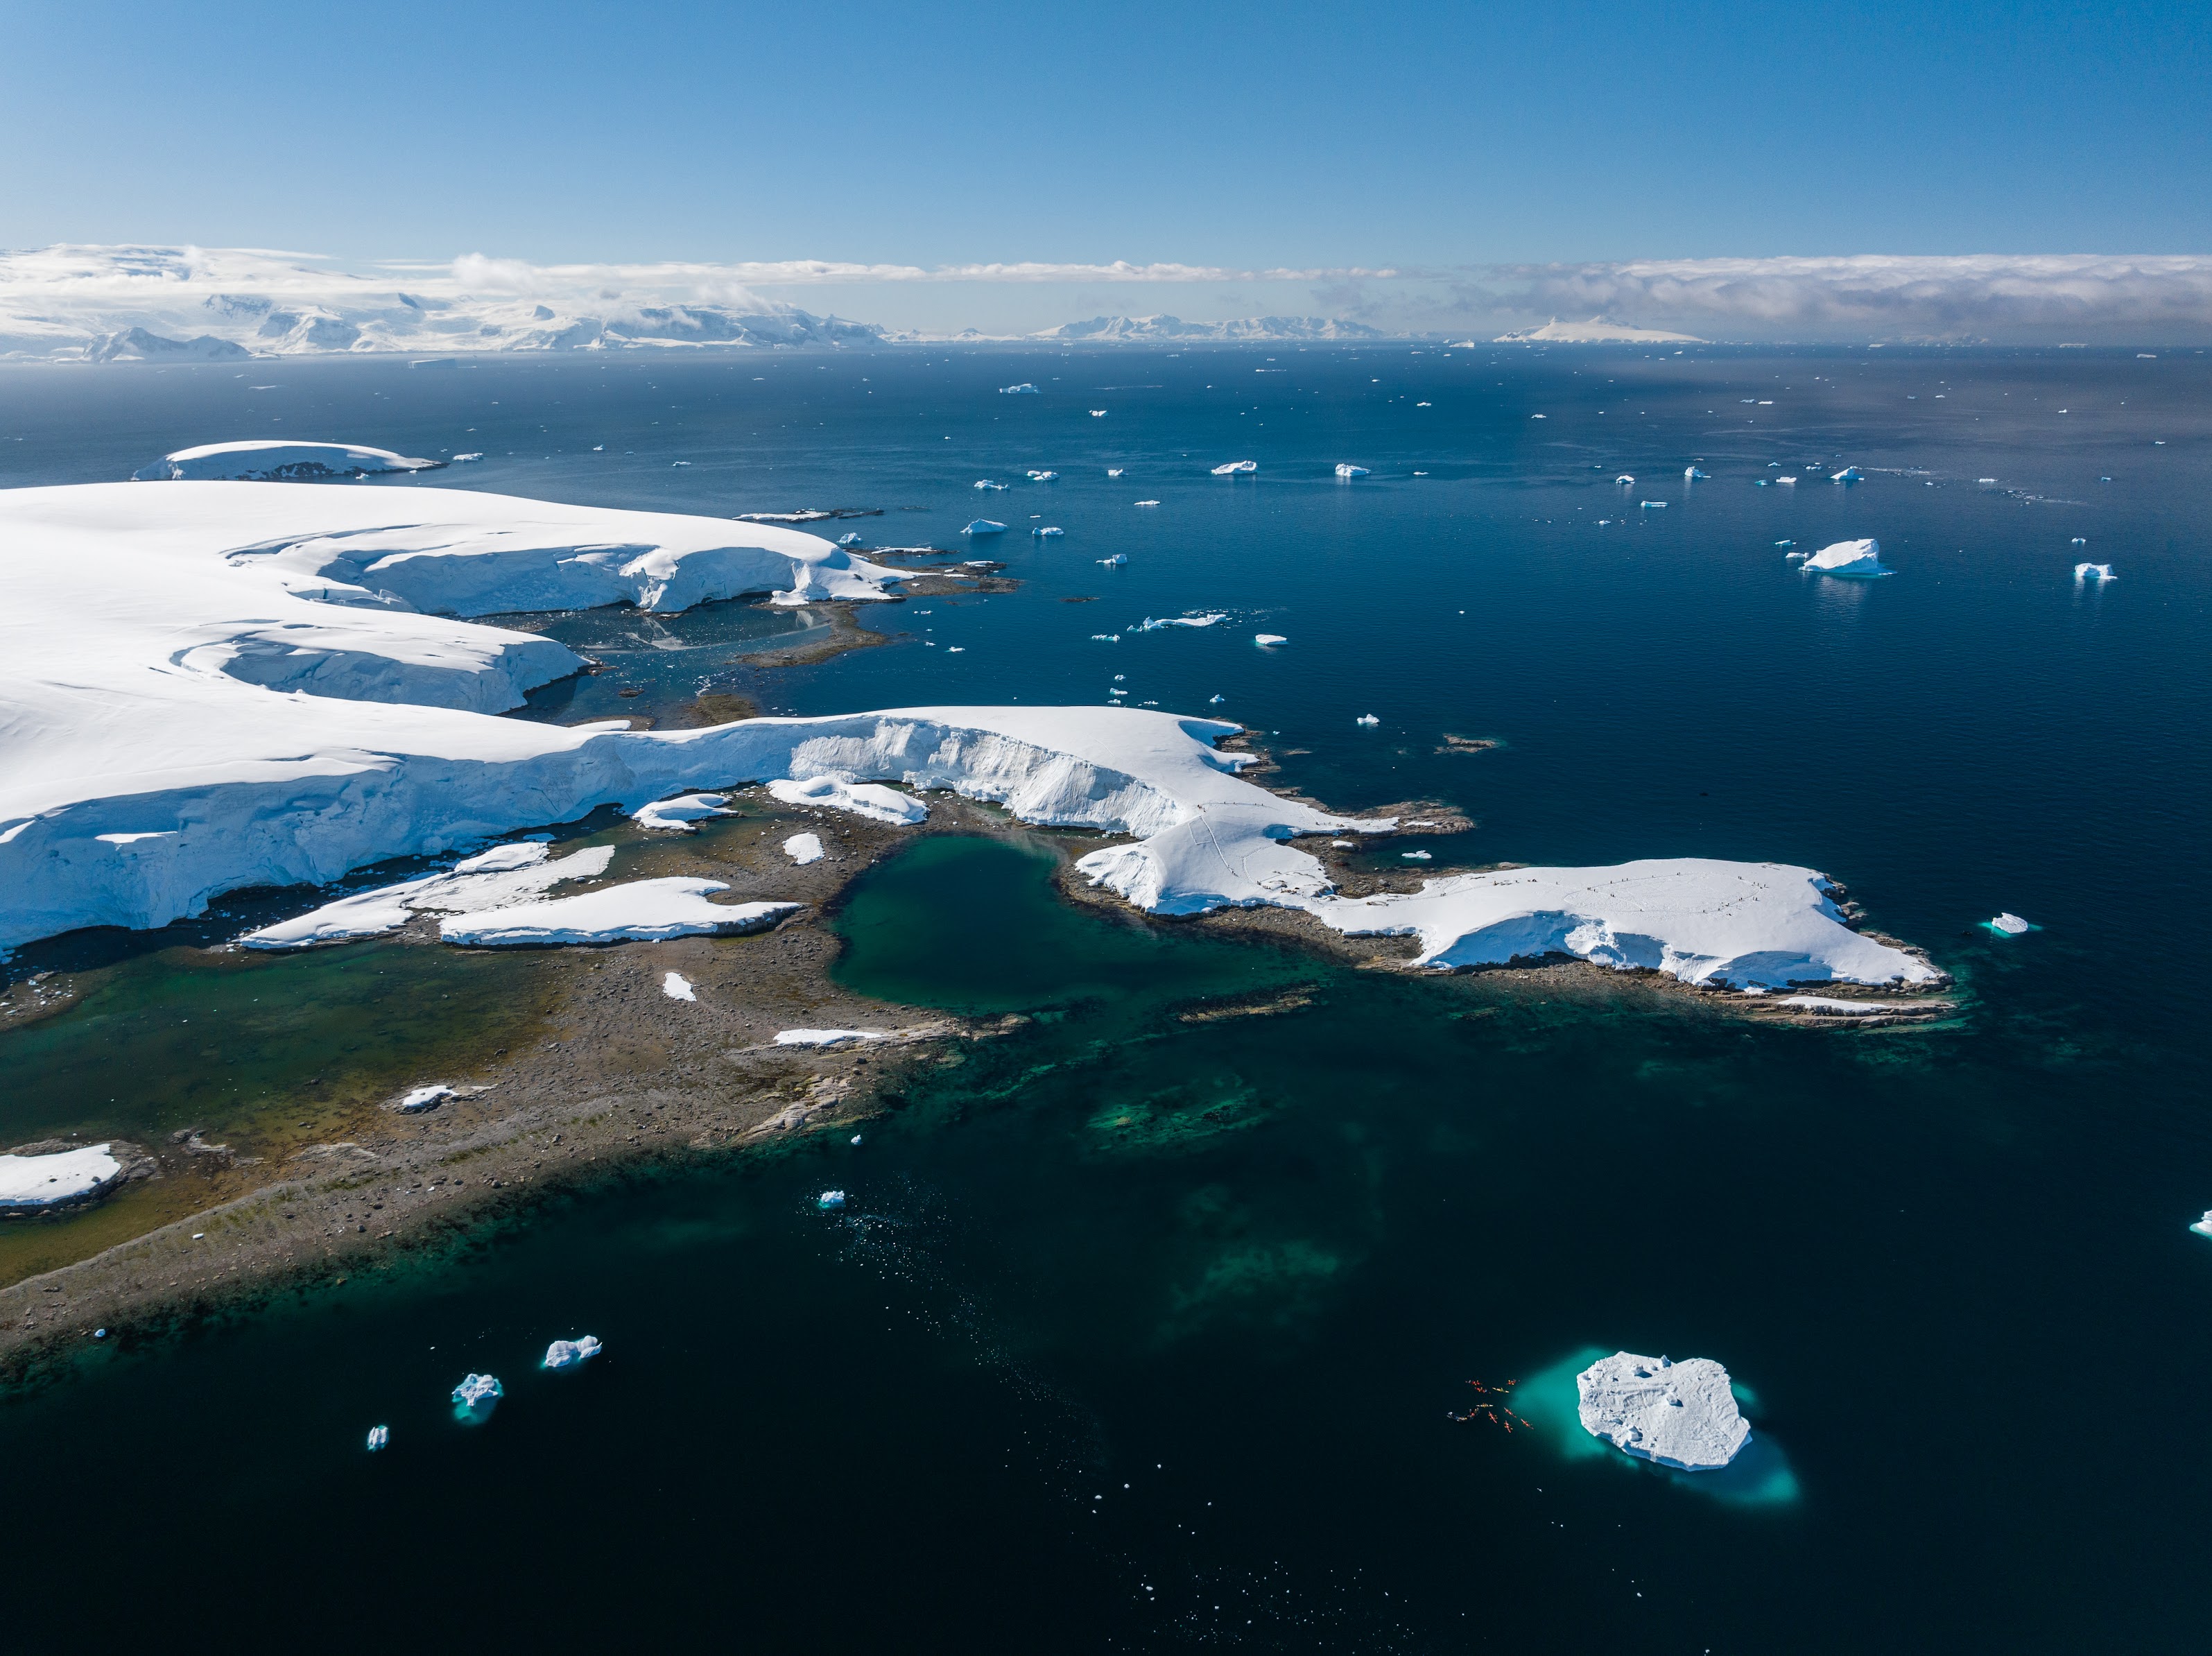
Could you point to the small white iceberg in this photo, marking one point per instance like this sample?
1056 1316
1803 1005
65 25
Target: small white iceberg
1148 502
377 1437
1681 1414
1787 480
1047 531
1414 856
2099 572
1346 469
677 987
567 1354
1114 561
851 538
1235 468
1367 719
1043 477
1852 560
463 459
985 483
2203 1226
1624 479
1151 625
474 1397
830 1201
1849 474
1266 639
425 1098
1098 413
825 1037
1691 474
678 815
1024 389
1652 505
1114 470
2010 925
984 526
804 848
865 799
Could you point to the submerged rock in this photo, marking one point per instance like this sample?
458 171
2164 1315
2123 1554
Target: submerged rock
1681 1414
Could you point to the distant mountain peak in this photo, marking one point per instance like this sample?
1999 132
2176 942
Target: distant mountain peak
1154 329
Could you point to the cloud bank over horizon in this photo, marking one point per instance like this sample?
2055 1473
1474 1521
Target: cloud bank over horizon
76 300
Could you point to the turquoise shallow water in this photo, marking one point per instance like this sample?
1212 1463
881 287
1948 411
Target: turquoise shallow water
1252 1262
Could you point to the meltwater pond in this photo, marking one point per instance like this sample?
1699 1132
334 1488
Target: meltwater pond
1143 1329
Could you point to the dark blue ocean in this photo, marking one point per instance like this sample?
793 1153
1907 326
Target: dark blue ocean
1143 1333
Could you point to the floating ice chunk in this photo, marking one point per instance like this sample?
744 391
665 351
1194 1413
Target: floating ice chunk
1984 479
2203 1226
985 483
1849 474
1043 477
1047 532
425 1098
1367 719
1414 856
1346 469
1855 560
29 1184
865 799
1691 474
984 526
1215 701
2081 540
1681 1414
377 1437
463 459
2010 925
830 1201
637 910
1652 505
1148 502
1098 413
677 987
567 1354
851 538
2094 572
675 816
1114 470
1151 625
1828 1006
1624 479
1266 639
1787 480
825 1037
1024 389
272 461
1235 468
475 1396
1785 543
1114 561
1105 637
804 848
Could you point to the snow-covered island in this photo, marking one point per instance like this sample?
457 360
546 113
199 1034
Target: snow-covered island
266 460
1681 1414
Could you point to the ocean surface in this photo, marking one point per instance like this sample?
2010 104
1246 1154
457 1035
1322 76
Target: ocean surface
1146 1331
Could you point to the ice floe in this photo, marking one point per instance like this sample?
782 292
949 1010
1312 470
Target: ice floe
1024 389
868 799
476 1396
825 1037
499 878
830 1201
1706 921
1117 560
2098 572
1149 625
1681 1414
29 1183
1854 560
1267 639
1849 474
272 461
984 526
1346 469
678 815
1235 468
1043 477
1691 474
1047 531
567 1354
677 987
2203 1226
803 849
2009 925
379 1436
637 910
1367 719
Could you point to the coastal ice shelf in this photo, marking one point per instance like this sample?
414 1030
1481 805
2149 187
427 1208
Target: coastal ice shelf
270 685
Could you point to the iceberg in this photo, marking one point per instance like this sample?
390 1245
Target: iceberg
984 526
677 987
425 1098
1707 922
567 1354
1267 639
830 1201
1150 625
1849 474
1043 477
825 1037
1114 561
1652 505
1148 502
462 460
377 1437
1344 469
1041 533
1114 470
1624 479
271 460
1853 560
2098 572
1098 413
1681 1414
1024 389
34 1183
871 799
2203 1226
638 909
499 878
1367 719
2010 925
804 848
1691 474
849 539
677 816
985 483
1235 468
476 1396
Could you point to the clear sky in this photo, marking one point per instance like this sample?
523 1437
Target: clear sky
1225 134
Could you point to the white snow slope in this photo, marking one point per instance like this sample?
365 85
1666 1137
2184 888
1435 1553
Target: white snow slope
213 686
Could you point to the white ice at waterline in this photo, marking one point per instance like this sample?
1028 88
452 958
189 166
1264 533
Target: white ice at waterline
46 1181
677 987
275 461
1681 1414
2010 925
1265 639
869 800
501 878
677 816
1235 468
425 1098
2098 572
478 1391
567 1354
2203 1226
825 1037
1855 560
635 911
1346 469
804 848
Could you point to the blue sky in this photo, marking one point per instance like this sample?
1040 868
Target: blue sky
1406 136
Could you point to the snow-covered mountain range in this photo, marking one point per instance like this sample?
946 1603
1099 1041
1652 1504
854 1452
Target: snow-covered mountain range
1155 330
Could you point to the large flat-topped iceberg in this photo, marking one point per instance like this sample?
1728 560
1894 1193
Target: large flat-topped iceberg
29 1184
266 460
1857 560
1680 1414
1707 922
